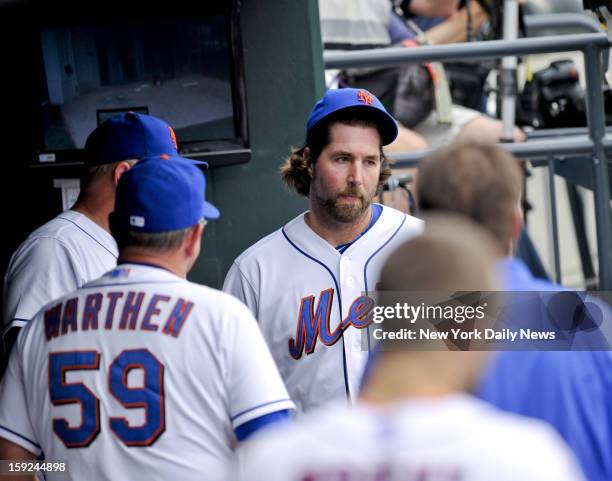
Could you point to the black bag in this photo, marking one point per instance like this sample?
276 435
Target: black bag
415 95
467 82
407 91
553 98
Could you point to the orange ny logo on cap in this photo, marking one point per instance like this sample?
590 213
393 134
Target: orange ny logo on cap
173 137
365 97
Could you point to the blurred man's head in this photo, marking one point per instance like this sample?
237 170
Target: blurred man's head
453 254
482 182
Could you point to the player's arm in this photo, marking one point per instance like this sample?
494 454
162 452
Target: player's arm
257 396
16 431
8 339
14 452
46 271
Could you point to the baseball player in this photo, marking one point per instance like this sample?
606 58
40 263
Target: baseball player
414 419
76 246
304 282
141 374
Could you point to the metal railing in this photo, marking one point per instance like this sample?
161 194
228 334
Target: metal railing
544 22
593 147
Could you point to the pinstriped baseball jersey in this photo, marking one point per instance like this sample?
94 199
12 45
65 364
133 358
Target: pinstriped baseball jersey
307 298
56 258
139 375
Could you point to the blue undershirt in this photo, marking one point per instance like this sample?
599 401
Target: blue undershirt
376 211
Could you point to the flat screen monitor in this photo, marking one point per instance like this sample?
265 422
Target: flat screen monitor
186 71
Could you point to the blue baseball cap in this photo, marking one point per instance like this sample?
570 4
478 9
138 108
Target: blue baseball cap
132 136
364 105
161 196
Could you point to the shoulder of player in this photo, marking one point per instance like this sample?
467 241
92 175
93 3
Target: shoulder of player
69 228
57 227
35 253
410 223
212 299
522 432
393 227
56 233
263 247
48 233
528 449
34 328
308 428
218 304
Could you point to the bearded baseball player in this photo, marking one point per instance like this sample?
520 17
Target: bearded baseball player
141 374
76 246
305 282
415 419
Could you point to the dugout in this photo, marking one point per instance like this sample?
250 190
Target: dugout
276 58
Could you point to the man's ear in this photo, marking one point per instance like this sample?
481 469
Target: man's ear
193 239
308 160
517 223
120 169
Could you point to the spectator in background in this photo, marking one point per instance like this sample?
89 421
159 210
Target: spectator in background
362 24
450 21
407 91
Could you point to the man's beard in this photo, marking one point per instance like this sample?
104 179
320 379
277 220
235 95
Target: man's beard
345 212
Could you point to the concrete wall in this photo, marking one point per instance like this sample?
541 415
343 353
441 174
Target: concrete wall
284 77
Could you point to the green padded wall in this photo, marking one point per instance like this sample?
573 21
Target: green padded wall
284 77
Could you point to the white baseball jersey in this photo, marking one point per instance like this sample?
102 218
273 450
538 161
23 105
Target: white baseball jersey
456 438
139 375
308 300
57 258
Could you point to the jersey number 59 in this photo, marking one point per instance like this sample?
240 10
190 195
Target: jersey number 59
149 397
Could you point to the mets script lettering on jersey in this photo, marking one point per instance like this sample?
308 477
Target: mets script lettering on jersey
99 310
312 325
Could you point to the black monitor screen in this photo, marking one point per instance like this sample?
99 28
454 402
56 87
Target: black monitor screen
180 71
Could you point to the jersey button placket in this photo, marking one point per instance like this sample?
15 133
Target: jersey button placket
351 290
346 278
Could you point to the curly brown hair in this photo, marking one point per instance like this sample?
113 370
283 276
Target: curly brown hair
294 170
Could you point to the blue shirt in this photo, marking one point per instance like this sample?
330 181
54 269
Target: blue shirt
516 276
570 390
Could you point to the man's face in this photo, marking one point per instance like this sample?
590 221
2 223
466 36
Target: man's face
345 176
